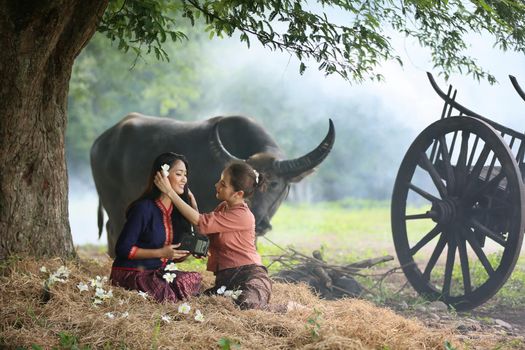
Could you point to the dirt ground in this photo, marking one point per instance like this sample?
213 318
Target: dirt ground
503 325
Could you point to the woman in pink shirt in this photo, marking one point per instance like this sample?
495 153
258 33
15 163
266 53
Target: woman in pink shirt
231 229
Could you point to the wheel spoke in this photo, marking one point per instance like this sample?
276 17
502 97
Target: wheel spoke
426 164
427 238
449 171
449 267
435 255
473 152
423 193
461 166
465 271
491 167
427 215
488 232
479 251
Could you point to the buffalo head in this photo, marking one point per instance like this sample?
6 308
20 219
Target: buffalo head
279 174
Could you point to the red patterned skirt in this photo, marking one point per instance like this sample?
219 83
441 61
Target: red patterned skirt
185 284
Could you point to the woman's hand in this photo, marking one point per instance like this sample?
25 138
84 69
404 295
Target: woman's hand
169 251
185 209
163 183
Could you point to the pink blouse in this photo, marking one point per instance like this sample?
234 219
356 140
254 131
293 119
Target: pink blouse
232 237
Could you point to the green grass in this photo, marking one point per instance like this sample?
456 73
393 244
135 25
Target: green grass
342 229
353 230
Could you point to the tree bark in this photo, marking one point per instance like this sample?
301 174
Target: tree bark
38 45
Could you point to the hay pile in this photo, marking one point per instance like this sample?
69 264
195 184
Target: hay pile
137 323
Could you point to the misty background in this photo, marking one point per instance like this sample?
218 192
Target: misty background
375 121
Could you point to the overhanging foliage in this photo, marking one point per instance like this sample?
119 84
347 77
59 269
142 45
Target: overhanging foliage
353 49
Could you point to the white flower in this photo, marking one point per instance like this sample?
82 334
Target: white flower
100 293
221 290
169 277
144 295
166 318
82 287
98 282
165 168
199 317
124 314
171 267
59 275
97 301
109 315
63 272
236 294
52 279
184 308
56 278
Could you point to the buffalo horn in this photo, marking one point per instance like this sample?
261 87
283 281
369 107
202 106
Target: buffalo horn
297 166
218 149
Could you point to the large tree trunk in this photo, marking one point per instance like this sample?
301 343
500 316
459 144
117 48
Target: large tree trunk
38 44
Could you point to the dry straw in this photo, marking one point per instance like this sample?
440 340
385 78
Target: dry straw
138 323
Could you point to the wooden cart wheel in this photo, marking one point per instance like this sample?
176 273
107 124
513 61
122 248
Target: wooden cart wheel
463 174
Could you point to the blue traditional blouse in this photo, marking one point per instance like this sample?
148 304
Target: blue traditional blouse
149 226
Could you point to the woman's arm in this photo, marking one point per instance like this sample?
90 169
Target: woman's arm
168 251
186 210
193 201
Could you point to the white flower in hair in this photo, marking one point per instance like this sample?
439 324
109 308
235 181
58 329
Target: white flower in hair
165 169
256 176
221 290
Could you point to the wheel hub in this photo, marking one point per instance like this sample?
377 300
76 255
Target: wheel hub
446 211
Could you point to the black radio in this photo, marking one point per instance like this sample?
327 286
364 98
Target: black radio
195 243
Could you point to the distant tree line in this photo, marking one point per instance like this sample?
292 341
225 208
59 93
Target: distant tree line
107 84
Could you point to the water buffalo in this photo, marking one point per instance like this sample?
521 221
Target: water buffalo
121 158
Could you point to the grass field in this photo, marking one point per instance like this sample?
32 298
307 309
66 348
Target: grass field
344 230
352 230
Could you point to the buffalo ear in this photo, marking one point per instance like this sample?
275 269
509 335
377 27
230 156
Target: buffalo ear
301 176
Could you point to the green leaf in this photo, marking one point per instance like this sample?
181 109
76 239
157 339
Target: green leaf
302 68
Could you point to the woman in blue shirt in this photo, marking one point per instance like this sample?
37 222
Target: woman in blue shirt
146 249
